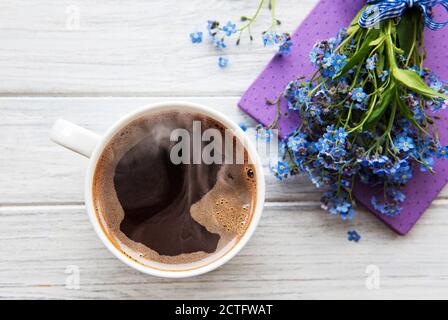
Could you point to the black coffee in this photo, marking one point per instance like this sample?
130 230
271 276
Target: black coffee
159 211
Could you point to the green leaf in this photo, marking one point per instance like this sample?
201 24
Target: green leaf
413 81
361 54
382 105
406 31
354 26
404 110
377 41
381 61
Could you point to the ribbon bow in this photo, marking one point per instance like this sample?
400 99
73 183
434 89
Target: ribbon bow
387 9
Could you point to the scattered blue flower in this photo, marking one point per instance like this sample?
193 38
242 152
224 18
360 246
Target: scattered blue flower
295 143
401 172
417 69
212 27
339 61
442 152
428 164
338 203
323 145
340 135
371 62
229 28
285 47
376 205
296 95
314 56
358 106
358 95
196 37
334 146
395 194
219 43
223 62
243 126
438 104
280 169
352 235
338 153
388 209
346 183
384 74
328 59
418 113
264 133
405 143
269 38
283 41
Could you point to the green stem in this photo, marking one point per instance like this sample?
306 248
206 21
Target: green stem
274 20
343 43
413 47
390 46
315 89
369 112
254 17
349 115
391 119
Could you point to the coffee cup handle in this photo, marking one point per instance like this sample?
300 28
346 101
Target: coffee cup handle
74 137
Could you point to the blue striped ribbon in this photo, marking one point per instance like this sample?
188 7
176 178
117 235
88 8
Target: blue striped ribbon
386 9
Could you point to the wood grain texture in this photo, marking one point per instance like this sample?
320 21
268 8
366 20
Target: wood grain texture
127 55
41 167
120 48
298 251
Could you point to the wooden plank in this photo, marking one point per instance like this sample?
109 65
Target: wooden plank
143 50
35 170
297 252
119 48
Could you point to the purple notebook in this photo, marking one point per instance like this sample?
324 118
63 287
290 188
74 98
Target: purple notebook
323 22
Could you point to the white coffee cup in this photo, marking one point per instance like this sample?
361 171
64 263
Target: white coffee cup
91 145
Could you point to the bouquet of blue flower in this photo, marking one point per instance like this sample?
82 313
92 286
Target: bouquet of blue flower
369 112
219 33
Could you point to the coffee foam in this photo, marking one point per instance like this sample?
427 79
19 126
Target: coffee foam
225 210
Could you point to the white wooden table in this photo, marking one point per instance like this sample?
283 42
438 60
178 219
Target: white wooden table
125 54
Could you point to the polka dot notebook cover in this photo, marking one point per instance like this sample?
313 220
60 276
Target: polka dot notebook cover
323 22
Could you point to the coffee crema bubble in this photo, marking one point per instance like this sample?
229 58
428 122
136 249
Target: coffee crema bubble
156 211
